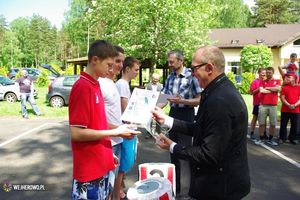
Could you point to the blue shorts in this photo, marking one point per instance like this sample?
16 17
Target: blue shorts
255 109
96 189
114 173
128 154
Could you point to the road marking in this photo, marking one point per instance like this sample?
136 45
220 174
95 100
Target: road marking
23 134
278 154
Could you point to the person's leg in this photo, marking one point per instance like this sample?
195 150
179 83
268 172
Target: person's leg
185 177
262 116
273 122
294 126
119 182
114 173
283 124
23 105
33 105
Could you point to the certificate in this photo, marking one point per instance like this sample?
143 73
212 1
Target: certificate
139 106
163 98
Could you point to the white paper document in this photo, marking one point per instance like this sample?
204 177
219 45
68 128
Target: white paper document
139 106
163 98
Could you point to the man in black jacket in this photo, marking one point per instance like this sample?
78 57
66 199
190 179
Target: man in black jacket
218 156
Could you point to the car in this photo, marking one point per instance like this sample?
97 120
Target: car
33 73
238 79
59 90
10 91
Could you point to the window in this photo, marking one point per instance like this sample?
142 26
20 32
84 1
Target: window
69 81
296 42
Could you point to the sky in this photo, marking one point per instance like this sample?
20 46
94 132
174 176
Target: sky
51 9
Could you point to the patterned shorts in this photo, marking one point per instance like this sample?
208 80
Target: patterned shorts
92 190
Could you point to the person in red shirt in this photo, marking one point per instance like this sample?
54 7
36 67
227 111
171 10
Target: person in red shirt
90 138
254 90
268 106
290 97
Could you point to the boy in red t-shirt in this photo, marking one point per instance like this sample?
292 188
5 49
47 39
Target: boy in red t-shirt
290 97
254 90
268 106
90 138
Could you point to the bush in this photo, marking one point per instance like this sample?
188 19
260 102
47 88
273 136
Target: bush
43 80
3 71
231 77
246 81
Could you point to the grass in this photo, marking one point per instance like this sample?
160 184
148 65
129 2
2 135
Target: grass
14 109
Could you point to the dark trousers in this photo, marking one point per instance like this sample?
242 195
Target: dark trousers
182 168
285 117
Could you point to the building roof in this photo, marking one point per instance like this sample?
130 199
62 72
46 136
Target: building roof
272 35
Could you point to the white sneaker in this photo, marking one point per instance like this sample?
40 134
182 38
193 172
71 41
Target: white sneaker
272 142
259 142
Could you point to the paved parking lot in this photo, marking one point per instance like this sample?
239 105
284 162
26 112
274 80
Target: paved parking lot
37 151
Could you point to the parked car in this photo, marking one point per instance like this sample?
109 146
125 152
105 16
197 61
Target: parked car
33 73
238 79
59 90
10 91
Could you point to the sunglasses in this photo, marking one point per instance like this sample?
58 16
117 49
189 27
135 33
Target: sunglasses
197 66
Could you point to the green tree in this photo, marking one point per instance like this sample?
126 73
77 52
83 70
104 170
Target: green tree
6 50
20 27
3 26
148 29
254 57
231 14
275 12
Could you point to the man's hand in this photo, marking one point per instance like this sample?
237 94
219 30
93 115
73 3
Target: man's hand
159 115
176 100
291 107
116 161
164 142
125 131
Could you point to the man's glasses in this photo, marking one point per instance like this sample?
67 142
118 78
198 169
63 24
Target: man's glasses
197 66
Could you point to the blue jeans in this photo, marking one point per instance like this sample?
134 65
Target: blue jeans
28 97
114 173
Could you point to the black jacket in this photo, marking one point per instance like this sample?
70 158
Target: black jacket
218 156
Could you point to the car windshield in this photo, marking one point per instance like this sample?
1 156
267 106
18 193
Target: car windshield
6 81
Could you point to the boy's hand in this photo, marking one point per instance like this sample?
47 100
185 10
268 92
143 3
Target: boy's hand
116 161
125 131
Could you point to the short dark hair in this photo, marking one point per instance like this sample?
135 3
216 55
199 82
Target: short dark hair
271 68
293 55
129 62
177 52
119 49
102 49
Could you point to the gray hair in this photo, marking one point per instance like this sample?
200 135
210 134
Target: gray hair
177 52
155 75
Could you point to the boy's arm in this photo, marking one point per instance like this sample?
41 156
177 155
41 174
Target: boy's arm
124 102
273 89
86 134
280 69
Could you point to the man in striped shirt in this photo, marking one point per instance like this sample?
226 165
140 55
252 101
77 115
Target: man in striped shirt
186 88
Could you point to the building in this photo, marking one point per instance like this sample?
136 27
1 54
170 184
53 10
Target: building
283 39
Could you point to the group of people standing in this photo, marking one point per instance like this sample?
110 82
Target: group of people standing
104 147
265 91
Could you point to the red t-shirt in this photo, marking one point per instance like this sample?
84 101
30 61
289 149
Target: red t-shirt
271 98
292 94
256 97
91 159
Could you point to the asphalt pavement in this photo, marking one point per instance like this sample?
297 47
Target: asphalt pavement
38 152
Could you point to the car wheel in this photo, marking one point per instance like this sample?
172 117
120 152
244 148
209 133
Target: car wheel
57 101
13 78
10 97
